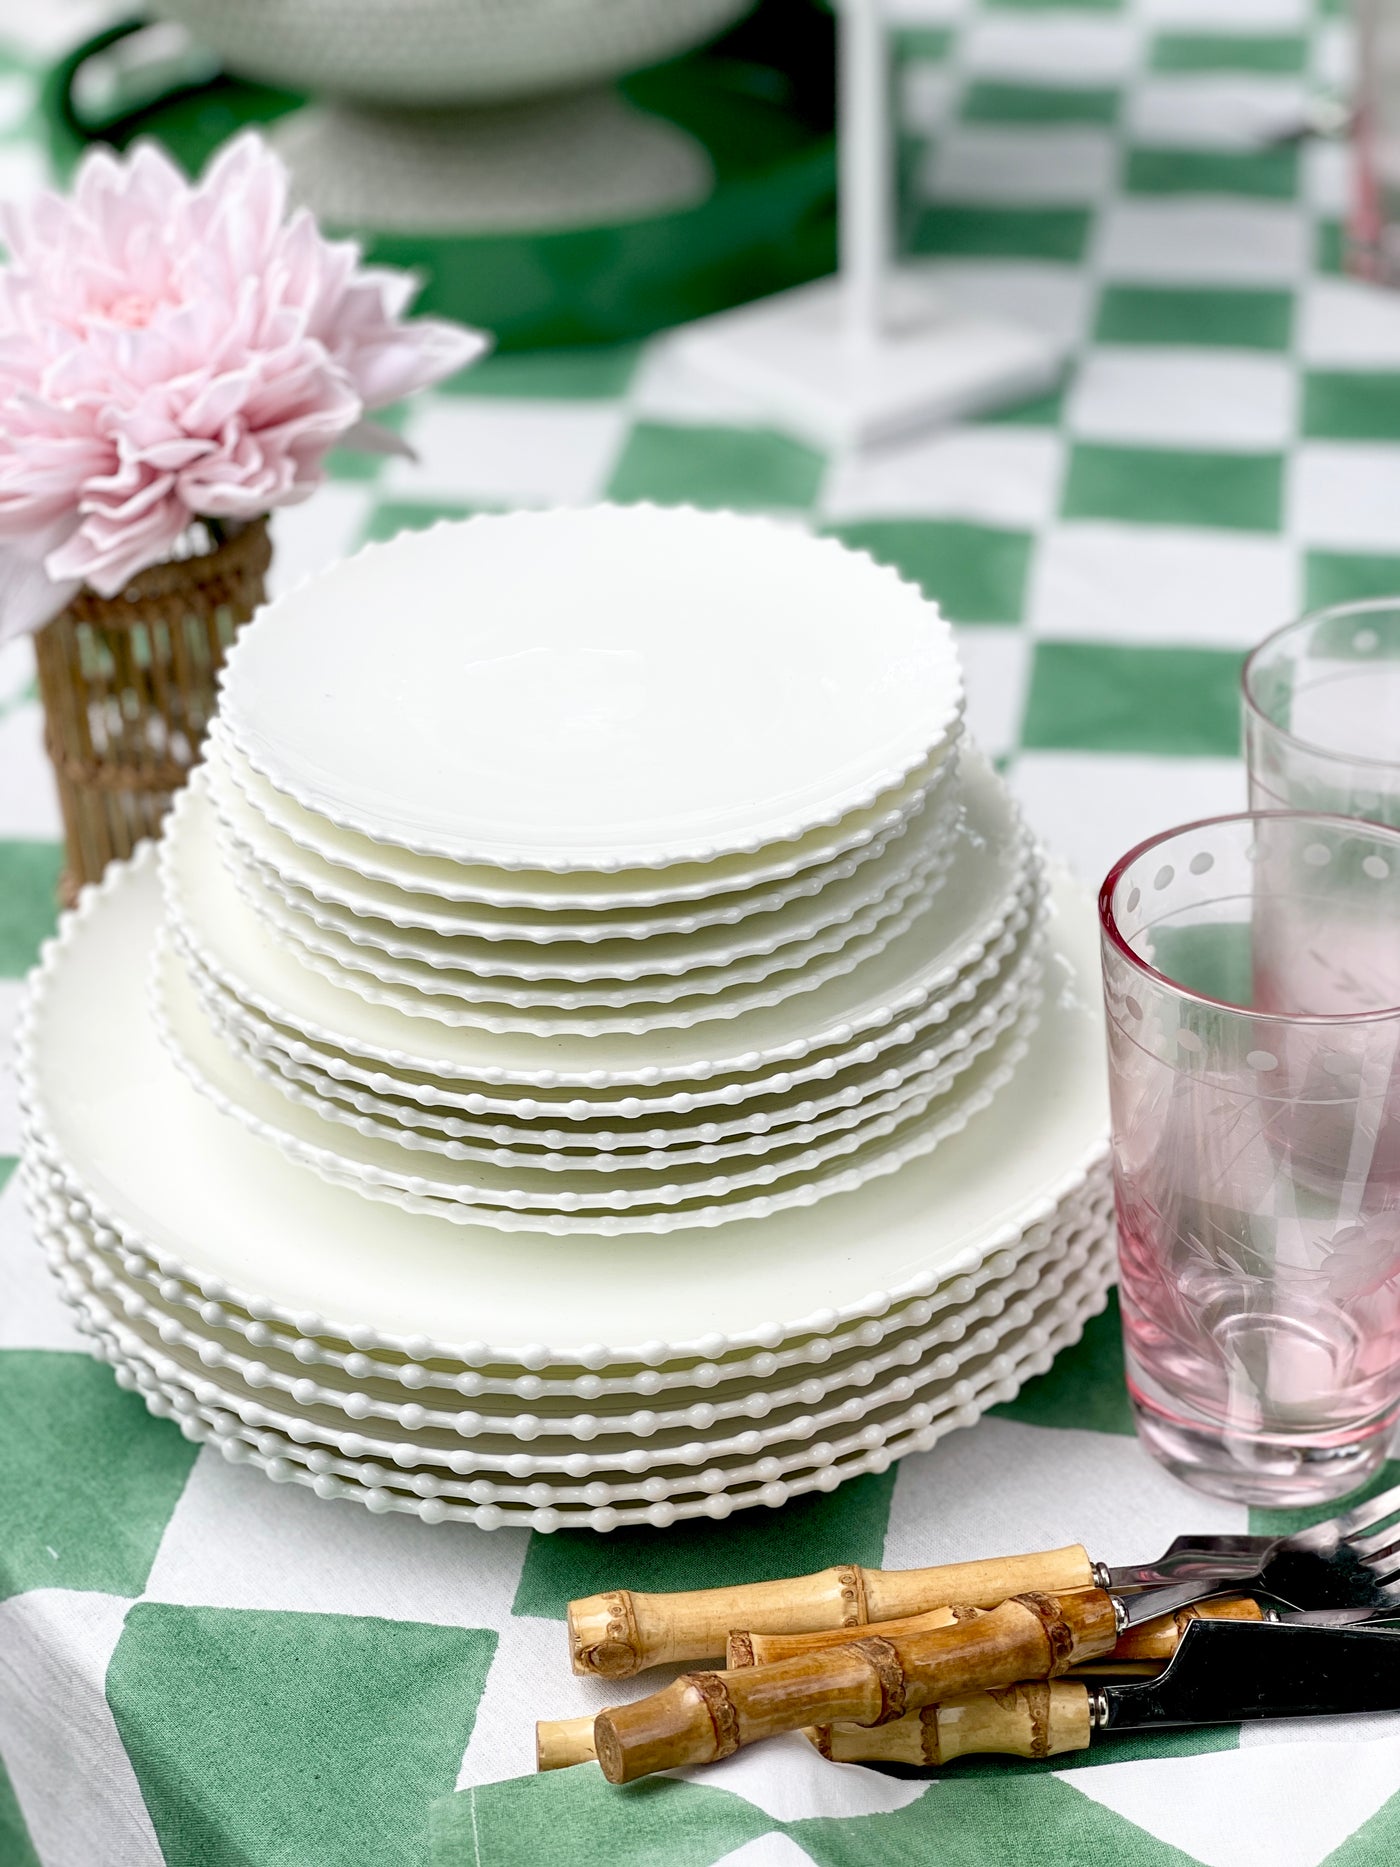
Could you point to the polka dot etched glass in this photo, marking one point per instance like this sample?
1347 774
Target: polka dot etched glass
1252 981
1322 714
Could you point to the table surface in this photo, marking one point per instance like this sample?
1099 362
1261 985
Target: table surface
201 1669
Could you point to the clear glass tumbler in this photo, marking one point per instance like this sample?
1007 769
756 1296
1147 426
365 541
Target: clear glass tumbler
1252 979
1322 714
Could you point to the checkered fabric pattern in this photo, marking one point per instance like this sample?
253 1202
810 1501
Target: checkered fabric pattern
202 1670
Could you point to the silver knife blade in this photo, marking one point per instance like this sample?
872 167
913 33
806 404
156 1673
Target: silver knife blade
1226 1672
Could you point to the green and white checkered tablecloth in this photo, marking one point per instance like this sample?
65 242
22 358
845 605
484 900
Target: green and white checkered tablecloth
201 1669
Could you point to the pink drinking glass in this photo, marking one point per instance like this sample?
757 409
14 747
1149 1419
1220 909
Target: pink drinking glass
1322 713
1252 982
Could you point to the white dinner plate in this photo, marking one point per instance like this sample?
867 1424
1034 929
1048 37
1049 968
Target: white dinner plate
589 1447
600 689
160 1161
714 1493
942 1318
282 1377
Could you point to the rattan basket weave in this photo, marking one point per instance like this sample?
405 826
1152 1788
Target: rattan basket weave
129 687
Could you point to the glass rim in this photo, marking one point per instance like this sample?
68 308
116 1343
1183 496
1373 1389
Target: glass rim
1363 606
1110 931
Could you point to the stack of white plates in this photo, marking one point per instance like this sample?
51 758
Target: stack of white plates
590 877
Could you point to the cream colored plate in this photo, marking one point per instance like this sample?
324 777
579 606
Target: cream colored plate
811 1366
158 1160
983 889
517 1199
609 1153
542 893
412 923
462 996
526 710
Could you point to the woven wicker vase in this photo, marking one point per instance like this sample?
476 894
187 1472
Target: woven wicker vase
128 685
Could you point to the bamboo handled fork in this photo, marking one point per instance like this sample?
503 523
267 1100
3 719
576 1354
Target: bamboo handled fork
1350 1561
623 1632
561 1742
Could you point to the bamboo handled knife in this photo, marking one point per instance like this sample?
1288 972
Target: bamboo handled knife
1223 1672
562 1742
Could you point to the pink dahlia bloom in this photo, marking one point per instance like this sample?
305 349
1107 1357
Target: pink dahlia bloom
173 350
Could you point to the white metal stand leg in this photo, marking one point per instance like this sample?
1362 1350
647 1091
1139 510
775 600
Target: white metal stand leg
874 352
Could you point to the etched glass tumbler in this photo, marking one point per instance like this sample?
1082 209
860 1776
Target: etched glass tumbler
1252 980
1322 714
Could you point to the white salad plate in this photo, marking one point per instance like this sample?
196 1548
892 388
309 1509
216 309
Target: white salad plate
603 689
160 1162
465 996
351 900
984 889
519 1199
987 1000
759 1100
697 962
414 1127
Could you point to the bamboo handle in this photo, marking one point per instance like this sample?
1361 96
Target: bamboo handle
1041 1719
705 1716
623 1632
561 1742
1155 1640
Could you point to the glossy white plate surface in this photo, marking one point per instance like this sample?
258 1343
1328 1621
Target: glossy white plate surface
607 688
356 903
543 891
982 890
444 1134
160 1159
468 1191
813 1364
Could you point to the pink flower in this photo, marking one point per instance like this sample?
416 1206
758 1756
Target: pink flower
173 350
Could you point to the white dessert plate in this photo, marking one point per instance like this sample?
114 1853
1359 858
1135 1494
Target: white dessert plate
626 968
160 1161
984 888
541 891
717 898
610 688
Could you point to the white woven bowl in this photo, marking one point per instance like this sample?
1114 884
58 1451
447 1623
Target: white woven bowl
435 52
